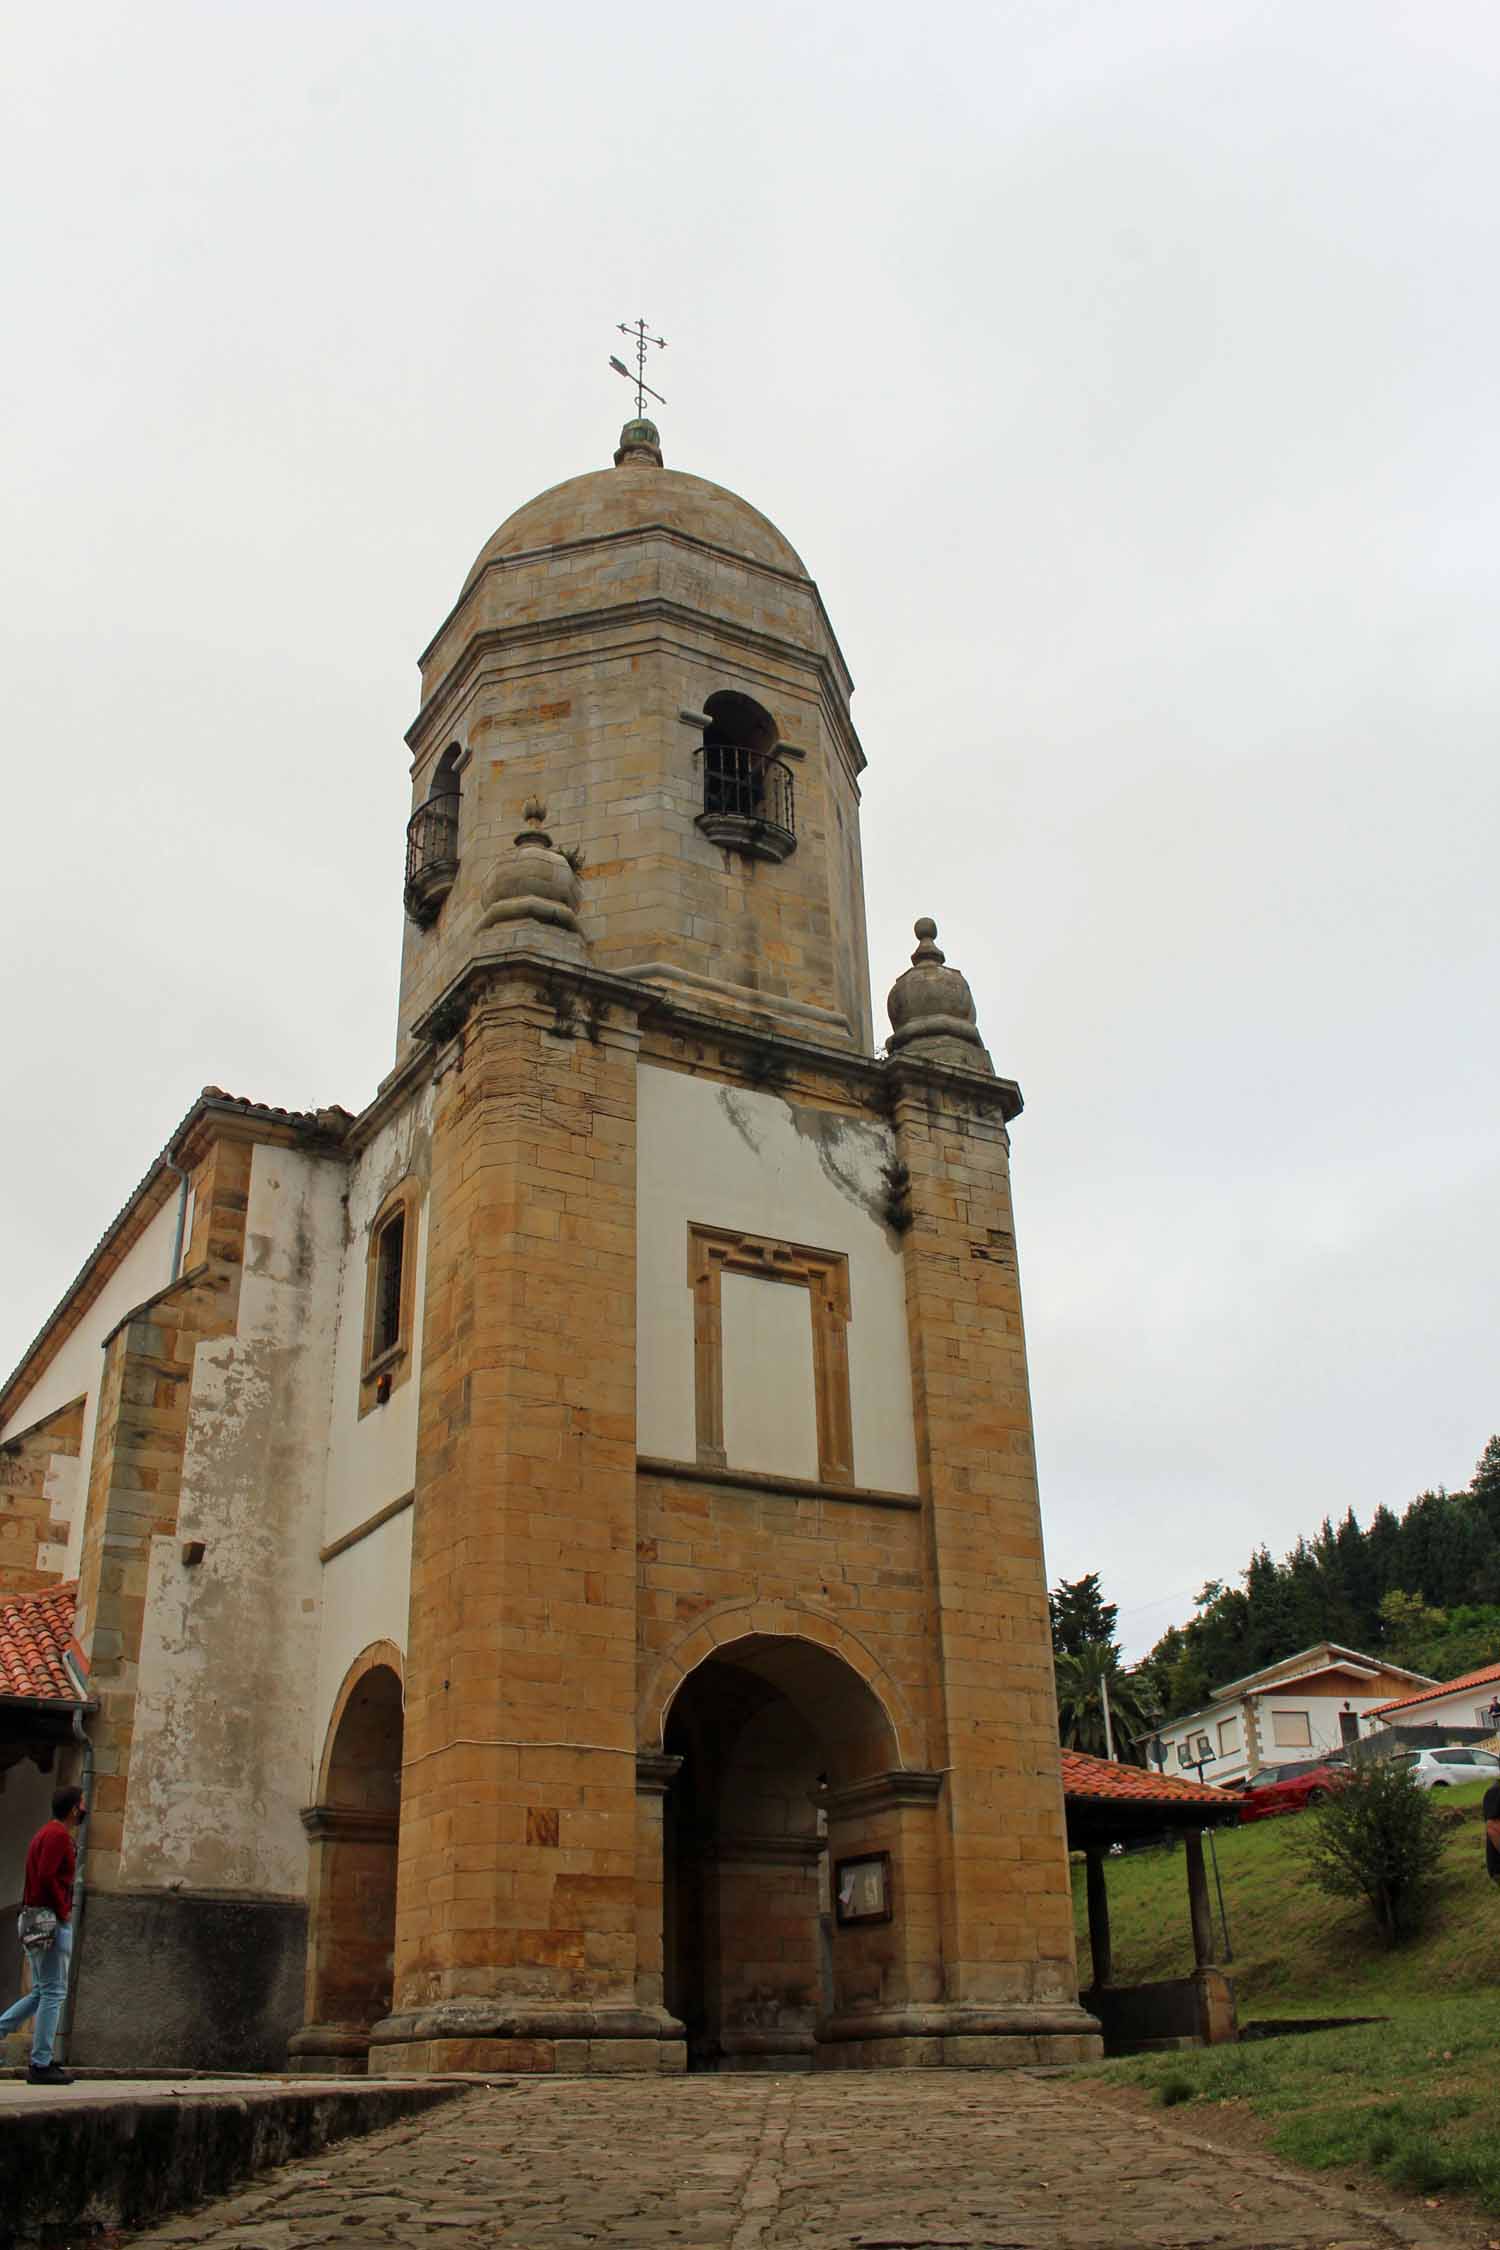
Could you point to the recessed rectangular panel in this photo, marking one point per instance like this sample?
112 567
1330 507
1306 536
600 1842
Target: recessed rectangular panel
770 1407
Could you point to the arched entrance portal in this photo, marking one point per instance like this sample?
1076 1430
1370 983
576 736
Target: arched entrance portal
352 1872
779 1742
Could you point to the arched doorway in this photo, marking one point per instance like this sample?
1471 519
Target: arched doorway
352 1870
775 1736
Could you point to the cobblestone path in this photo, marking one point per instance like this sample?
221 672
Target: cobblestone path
919 2160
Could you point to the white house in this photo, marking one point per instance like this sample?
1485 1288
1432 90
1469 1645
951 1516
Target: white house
1468 1701
1305 1705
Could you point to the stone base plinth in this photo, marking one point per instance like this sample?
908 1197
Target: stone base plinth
329 2050
186 1980
537 2039
938 2037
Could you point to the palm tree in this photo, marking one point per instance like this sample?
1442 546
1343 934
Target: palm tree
1080 1703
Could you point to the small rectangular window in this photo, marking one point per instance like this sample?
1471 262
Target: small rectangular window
1291 1730
388 1257
1229 1736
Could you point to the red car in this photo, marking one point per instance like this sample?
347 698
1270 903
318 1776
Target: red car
1308 1788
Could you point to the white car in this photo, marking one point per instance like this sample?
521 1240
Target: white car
1448 1769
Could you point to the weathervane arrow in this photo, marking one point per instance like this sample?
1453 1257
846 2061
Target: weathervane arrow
643 389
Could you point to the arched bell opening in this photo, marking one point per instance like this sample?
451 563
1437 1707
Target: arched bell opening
352 1874
748 792
432 841
780 1743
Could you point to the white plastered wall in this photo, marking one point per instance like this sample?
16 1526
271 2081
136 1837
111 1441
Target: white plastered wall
372 1458
366 1590
224 1709
75 1370
720 1156
1466 1707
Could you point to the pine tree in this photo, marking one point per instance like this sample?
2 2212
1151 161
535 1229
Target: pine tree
1082 1618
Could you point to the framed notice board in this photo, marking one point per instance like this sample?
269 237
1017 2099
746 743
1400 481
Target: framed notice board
862 1889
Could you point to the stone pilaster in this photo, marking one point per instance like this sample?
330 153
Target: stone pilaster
516 1896
1010 1980
135 1480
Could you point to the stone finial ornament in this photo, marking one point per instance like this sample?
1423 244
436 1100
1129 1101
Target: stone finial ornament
932 1010
537 883
640 441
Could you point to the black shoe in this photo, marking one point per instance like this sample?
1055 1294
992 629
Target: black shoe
48 2074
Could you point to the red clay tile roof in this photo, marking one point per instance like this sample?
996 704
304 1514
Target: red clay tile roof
35 1629
1488 1675
1083 1776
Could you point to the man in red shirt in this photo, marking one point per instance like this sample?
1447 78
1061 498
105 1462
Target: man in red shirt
49 1883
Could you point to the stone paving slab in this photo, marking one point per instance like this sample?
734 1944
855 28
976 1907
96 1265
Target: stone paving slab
918 2160
103 2152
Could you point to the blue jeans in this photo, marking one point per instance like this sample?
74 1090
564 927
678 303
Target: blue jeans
49 1985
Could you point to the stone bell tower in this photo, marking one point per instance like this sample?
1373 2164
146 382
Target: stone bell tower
729 1732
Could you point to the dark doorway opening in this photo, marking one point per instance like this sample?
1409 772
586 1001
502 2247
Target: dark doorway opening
764 1732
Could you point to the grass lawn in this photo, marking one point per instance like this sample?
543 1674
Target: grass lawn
1295 1952
1414 2099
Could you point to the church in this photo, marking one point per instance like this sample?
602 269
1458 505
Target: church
546 1574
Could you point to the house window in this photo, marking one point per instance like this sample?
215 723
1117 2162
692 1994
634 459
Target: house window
1291 1730
390 1297
1229 1737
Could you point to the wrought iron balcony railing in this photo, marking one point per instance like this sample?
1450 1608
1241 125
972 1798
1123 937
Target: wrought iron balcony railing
431 856
749 802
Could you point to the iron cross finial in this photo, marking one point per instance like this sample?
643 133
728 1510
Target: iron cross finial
643 389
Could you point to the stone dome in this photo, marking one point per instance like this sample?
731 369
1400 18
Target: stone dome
636 493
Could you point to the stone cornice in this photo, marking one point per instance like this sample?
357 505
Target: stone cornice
768 1851
882 1792
587 992
392 1094
675 536
659 609
655 1772
757 1480
348 1824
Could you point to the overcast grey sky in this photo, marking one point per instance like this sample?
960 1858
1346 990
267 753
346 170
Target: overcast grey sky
1125 371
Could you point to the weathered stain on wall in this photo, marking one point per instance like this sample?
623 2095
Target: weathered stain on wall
229 1652
750 1159
372 1458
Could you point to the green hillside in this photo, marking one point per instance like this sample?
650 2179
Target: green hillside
1412 2098
1296 1952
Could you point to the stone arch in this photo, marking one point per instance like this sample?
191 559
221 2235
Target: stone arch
781 1762
351 1891
716 1635
378 1653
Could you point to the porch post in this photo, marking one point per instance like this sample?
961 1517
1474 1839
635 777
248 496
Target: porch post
1098 1898
1203 1928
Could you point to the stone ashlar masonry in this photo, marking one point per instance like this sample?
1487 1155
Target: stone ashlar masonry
516 1885
32 1539
136 1474
591 624
560 1589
